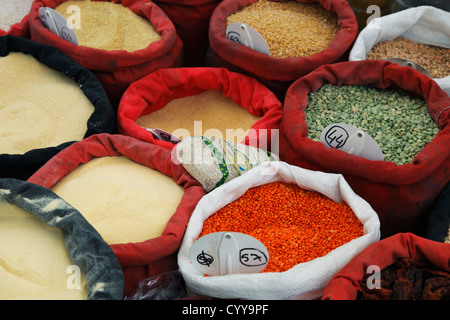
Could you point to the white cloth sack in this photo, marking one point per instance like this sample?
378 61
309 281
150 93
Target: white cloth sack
304 281
424 24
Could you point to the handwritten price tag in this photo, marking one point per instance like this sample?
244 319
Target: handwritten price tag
247 36
223 253
57 24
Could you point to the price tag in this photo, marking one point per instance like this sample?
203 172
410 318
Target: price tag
163 135
408 63
247 36
57 24
222 253
352 140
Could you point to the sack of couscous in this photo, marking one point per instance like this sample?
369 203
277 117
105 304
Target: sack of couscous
301 36
420 35
120 41
403 111
311 223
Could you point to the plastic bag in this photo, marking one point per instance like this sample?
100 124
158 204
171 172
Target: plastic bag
305 280
165 286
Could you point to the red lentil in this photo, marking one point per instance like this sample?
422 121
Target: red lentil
295 225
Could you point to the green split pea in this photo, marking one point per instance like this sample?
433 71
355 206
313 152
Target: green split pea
399 123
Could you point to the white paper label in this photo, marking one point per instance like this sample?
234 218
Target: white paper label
223 253
163 135
352 140
57 24
247 36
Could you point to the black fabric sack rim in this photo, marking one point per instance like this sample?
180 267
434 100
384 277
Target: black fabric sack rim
102 120
86 248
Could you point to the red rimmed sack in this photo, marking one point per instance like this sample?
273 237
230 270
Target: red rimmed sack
191 20
401 195
117 69
20 29
138 260
159 88
344 285
277 74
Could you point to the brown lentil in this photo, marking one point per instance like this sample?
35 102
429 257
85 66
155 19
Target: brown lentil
291 29
436 60
295 225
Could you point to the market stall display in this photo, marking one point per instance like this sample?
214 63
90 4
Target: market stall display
401 194
303 280
323 43
49 251
116 69
107 178
397 251
61 102
199 101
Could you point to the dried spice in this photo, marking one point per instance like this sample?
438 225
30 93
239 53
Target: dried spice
294 224
436 60
408 279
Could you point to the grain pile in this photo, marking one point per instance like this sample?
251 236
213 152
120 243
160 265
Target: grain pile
291 29
123 200
436 60
12 12
218 115
110 26
39 107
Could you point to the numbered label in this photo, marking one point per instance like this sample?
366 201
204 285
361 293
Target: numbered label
163 135
57 24
247 36
222 253
352 140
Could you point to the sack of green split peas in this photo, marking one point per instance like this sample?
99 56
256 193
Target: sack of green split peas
403 111
49 251
311 223
14 18
300 35
404 266
191 20
132 193
47 101
119 41
200 101
420 35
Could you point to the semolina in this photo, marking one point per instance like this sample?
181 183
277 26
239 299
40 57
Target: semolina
39 107
110 26
291 29
220 117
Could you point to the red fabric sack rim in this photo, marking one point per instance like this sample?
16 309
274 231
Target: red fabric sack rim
20 29
141 97
121 58
344 285
183 3
385 75
268 67
104 144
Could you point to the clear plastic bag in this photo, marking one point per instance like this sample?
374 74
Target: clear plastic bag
164 286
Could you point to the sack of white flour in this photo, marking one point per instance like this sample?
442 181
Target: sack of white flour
303 281
424 25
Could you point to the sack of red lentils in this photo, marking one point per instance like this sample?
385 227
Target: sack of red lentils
200 101
403 112
420 35
119 41
14 17
132 193
438 224
191 20
311 223
301 36
404 266
48 102
49 251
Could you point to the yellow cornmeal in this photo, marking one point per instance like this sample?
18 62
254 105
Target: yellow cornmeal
110 26
216 112
39 107
123 200
34 262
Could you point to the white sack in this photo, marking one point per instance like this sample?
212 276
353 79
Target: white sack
304 281
424 24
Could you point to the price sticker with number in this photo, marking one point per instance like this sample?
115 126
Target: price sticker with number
222 253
